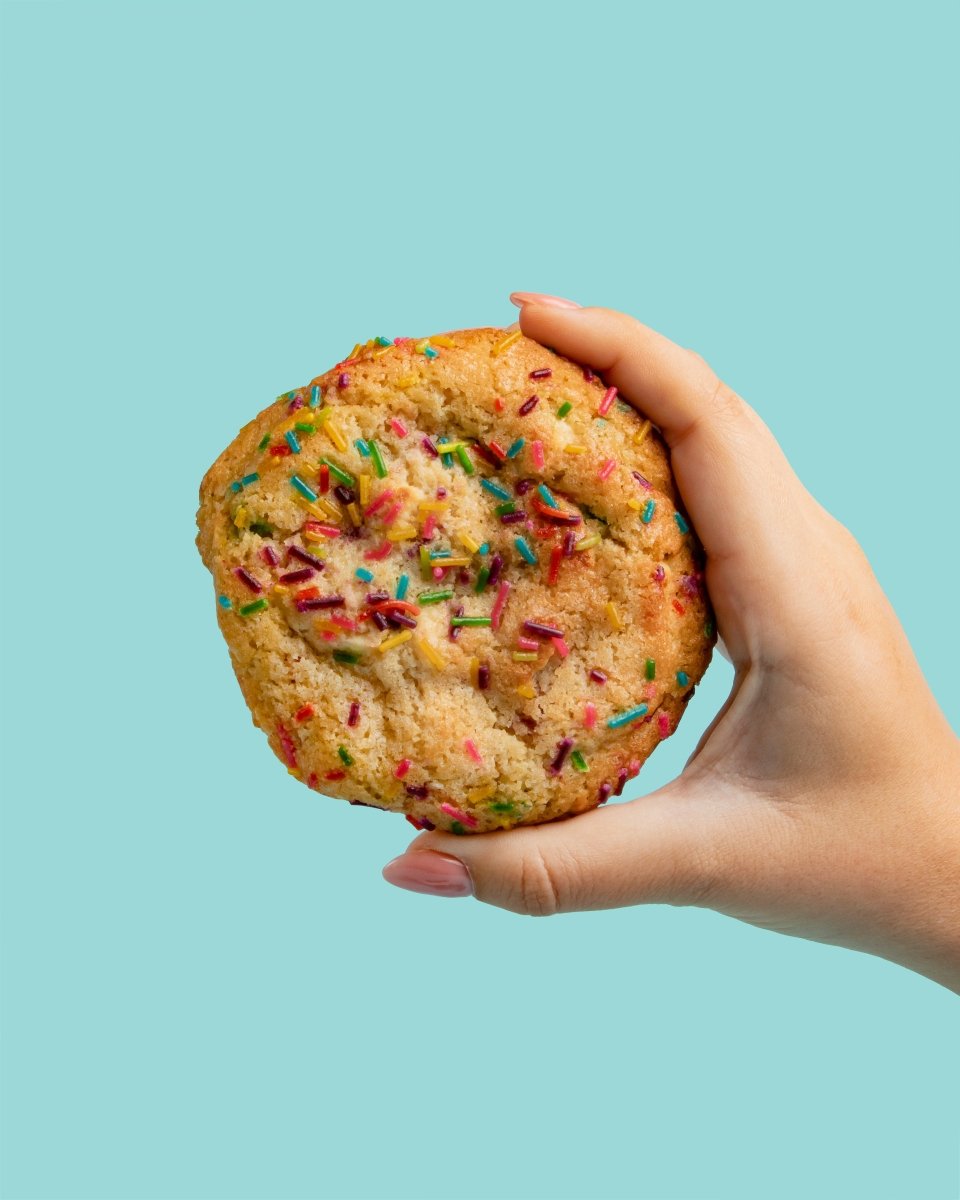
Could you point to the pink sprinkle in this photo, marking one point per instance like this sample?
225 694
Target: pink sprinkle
378 503
607 402
328 637
589 715
526 643
429 526
659 574
398 427
380 552
496 613
607 469
437 572
649 691
663 724
560 646
288 745
403 766
471 748
353 717
458 814
536 452
391 514
344 622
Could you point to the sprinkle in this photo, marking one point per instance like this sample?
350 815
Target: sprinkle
465 461
483 676
256 606
468 542
364 574
569 541
300 576
471 748
245 577
572 449
264 442
307 492
525 656
663 725
316 396
528 406
401 533
434 597
598 676
678 607
362 447
402 767
578 762
347 656
648 510
335 436
469 621
514 449
378 553
505 343
541 373
642 480
603 795
507 507
395 639
587 543
525 643
324 479
522 486
635 505
353 717
483 577
305 713
612 615
644 430
458 814
546 495
429 352
446 559
345 756
563 749
292 442
553 572
248 479
536 453
560 646
280 451
496 614
319 602
398 427
498 403
305 557
305 427
379 465
380 501
542 631
607 402
343 379
495 489
514 517
524 550
624 718
441 339
526 691
496 566
683 678
224 601
484 549
607 469
681 523
496 450
564 408
339 473
430 448
430 653
650 669
589 715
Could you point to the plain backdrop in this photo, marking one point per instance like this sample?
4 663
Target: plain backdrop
208 990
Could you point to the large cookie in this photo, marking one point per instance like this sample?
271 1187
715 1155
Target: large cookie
455 582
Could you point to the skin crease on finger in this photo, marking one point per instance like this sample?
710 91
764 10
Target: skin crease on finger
822 800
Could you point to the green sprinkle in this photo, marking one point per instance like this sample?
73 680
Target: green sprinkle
225 602
402 584
345 756
291 439
457 827
624 718
382 341
339 473
251 478
264 442
651 669
515 449
503 509
708 629
364 574
546 496
254 606
425 563
316 396
470 621
501 806
482 578
362 447
261 529
307 492
578 762
564 409
495 489
683 678
378 464
347 656
523 548
306 427
648 509
681 523
434 597
465 461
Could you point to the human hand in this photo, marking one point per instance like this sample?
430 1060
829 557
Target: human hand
824 798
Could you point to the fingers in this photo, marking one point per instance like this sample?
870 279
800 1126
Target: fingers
664 848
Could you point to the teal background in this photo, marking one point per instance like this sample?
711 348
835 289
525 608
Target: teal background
208 990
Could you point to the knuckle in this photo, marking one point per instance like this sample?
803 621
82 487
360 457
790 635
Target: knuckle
540 889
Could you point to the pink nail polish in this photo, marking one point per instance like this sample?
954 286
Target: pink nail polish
430 872
522 298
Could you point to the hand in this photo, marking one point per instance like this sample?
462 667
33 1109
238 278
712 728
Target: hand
824 799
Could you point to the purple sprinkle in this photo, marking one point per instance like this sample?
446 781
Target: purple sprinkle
589 377
304 557
513 518
542 631
659 574
486 455
353 717
622 776
344 494
271 555
379 619
483 677
563 749
419 790
300 576
598 676
604 793
528 406
320 602
569 541
244 575
496 566
377 597
455 629
644 483
401 620
430 448
343 380
522 486
542 373
295 403
690 585
463 576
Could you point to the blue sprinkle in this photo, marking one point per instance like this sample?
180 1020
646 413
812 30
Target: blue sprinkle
683 678
248 479
225 602
624 718
402 584
382 341
362 446
364 574
526 553
495 489
681 523
429 352
484 549
515 448
441 553
307 492
647 515
316 396
291 440
546 496
235 486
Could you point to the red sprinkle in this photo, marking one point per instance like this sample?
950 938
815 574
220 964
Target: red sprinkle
380 552
678 607
588 375
563 749
528 406
403 766
427 444
556 554
419 822
305 713
353 717
289 746
604 793
335 775
280 451
310 593
324 479
458 814
378 503
598 676
497 450
663 725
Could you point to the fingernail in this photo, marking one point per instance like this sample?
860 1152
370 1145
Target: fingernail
522 298
431 872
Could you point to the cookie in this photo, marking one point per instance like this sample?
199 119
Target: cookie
456 582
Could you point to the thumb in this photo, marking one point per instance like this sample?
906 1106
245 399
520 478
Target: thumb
667 847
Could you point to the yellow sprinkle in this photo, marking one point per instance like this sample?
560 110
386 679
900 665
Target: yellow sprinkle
241 518
571 449
635 505
433 505
368 343
354 514
406 381
421 346
323 626
588 543
441 339
505 343
320 415
281 588
526 691
474 671
396 639
365 489
401 533
482 793
382 351
524 656
331 510
294 771
449 447
467 542
312 509
314 535
612 615
450 562
355 351
335 436
642 433
430 653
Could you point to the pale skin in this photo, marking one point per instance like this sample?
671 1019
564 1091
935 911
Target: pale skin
823 801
